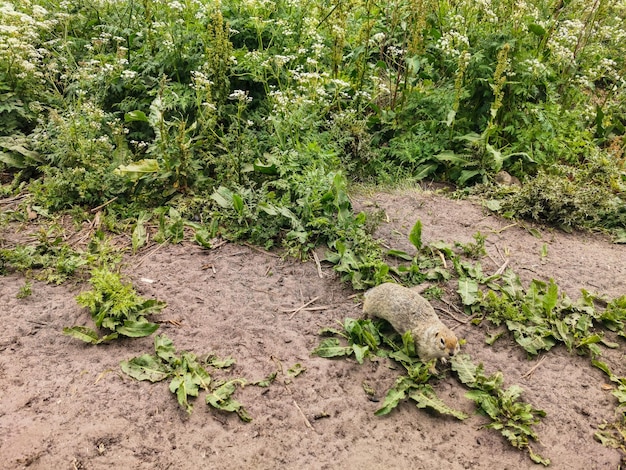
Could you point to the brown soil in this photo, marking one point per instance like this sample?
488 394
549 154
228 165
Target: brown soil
64 404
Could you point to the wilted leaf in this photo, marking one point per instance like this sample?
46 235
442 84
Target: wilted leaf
88 335
425 398
221 399
266 382
296 370
332 348
146 367
218 363
464 368
164 348
395 395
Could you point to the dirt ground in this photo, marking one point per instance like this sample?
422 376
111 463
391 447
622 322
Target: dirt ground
67 405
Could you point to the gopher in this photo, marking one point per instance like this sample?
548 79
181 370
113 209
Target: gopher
406 310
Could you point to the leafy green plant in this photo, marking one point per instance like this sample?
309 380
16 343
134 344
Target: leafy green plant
114 306
512 417
509 415
364 338
540 317
51 259
25 291
189 375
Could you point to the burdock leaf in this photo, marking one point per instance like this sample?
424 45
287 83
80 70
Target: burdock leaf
415 237
137 329
464 368
360 352
468 290
221 399
164 348
146 367
88 335
218 363
82 333
332 348
425 398
395 395
183 386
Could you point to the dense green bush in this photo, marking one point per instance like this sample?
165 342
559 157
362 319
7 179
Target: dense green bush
243 114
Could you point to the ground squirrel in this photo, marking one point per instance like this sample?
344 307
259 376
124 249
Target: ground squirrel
505 179
406 310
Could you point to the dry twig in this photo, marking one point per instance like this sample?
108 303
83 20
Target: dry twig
533 368
302 307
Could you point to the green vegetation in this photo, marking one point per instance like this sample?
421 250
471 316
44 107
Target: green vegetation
250 119
188 376
253 117
114 306
512 417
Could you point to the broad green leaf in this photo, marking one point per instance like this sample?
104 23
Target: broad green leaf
139 234
223 197
467 175
486 402
164 348
550 298
408 344
395 395
468 290
183 387
266 169
88 335
603 367
449 156
360 352
139 169
537 29
82 333
135 116
137 329
13 161
415 236
493 205
620 394
425 398
238 203
464 368
146 367
400 254
332 348
150 307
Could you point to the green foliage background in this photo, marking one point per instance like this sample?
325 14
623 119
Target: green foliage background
254 116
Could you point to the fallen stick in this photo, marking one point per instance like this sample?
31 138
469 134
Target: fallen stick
533 368
306 420
303 306
305 309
